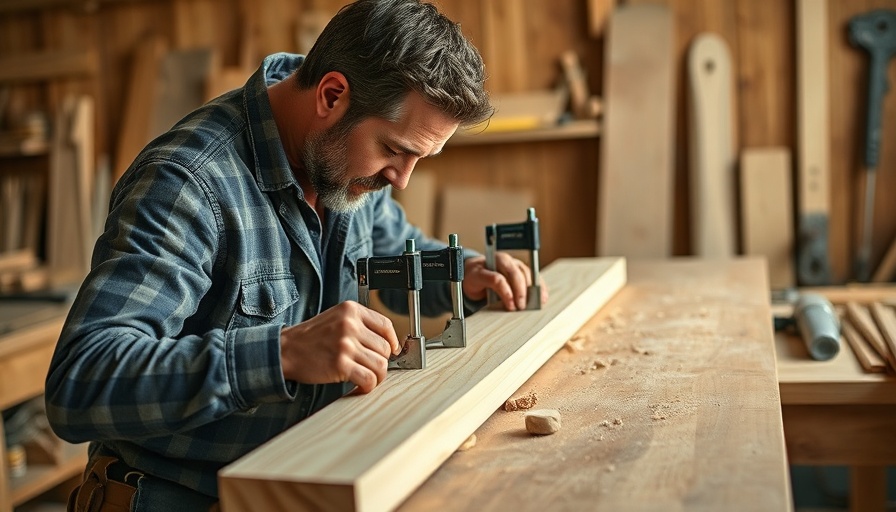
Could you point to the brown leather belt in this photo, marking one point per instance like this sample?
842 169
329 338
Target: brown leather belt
100 493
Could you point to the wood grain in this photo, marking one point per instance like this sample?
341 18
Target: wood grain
694 389
369 452
885 319
865 352
864 324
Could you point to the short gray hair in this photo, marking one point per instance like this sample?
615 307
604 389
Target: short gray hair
388 48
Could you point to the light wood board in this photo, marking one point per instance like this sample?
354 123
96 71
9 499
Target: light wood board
813 162
694 388
370 452
634 202
712 155
767 211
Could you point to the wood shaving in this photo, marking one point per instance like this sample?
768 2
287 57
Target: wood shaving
521 403
469 443
575 344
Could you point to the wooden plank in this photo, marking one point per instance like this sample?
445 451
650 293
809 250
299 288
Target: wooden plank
885 318
813 162
713 210
31 67
370 452
864 324
637 145
767 211
141 95
694 388
598 12
867 356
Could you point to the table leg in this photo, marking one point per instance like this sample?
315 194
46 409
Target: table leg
868 488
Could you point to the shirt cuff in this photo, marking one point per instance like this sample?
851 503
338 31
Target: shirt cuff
254 366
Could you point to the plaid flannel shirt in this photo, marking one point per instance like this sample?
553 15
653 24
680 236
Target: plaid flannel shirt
170 355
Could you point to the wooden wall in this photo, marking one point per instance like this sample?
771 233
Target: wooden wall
520 41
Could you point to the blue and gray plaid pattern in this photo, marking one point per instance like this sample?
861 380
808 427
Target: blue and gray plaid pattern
170 356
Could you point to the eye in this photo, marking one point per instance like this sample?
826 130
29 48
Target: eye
389 151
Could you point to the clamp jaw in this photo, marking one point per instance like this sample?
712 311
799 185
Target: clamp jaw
523 235
448 265
401 272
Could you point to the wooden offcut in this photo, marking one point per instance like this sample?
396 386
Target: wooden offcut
864 324
634 201
369 452
767 211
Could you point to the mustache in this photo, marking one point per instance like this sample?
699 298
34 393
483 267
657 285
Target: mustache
375 182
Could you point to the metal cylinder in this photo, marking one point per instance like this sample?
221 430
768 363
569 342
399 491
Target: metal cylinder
818 325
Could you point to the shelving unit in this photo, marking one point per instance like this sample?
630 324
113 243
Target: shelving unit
583 129
29 334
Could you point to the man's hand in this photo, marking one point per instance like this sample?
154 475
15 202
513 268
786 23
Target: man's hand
510 281
347 342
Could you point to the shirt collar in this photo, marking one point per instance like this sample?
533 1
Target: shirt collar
272 170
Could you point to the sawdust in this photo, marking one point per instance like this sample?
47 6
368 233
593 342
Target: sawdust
522 403
615 422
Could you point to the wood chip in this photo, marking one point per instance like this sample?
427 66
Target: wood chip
543 421
469 443
521 403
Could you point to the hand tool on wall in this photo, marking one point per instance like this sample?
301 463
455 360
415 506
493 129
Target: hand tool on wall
399 272
448 265
813 152
519 236
818 325
712 152
874 31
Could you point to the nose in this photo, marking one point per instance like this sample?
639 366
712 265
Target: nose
399 176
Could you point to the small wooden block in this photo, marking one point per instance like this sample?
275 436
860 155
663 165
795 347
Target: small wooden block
543 421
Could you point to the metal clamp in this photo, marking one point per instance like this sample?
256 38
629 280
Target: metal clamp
523 235
400 272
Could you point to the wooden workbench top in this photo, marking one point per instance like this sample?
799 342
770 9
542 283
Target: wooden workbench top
670 403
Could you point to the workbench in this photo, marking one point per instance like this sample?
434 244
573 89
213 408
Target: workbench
837 414
669 401
28 334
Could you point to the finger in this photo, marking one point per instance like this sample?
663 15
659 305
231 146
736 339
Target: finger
516 278
526 272
381 326
364 378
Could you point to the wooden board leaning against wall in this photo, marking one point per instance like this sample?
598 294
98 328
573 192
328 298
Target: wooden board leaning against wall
520 48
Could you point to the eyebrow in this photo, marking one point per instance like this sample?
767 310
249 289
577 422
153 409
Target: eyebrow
404 149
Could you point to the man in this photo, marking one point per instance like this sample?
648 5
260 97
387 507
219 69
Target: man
221 309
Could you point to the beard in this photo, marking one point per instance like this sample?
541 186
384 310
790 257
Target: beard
325 157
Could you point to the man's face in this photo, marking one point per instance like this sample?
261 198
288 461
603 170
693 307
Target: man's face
326 162
345 163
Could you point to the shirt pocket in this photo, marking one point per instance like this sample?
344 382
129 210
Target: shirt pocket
266 300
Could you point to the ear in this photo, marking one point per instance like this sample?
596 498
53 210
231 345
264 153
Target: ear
332 96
